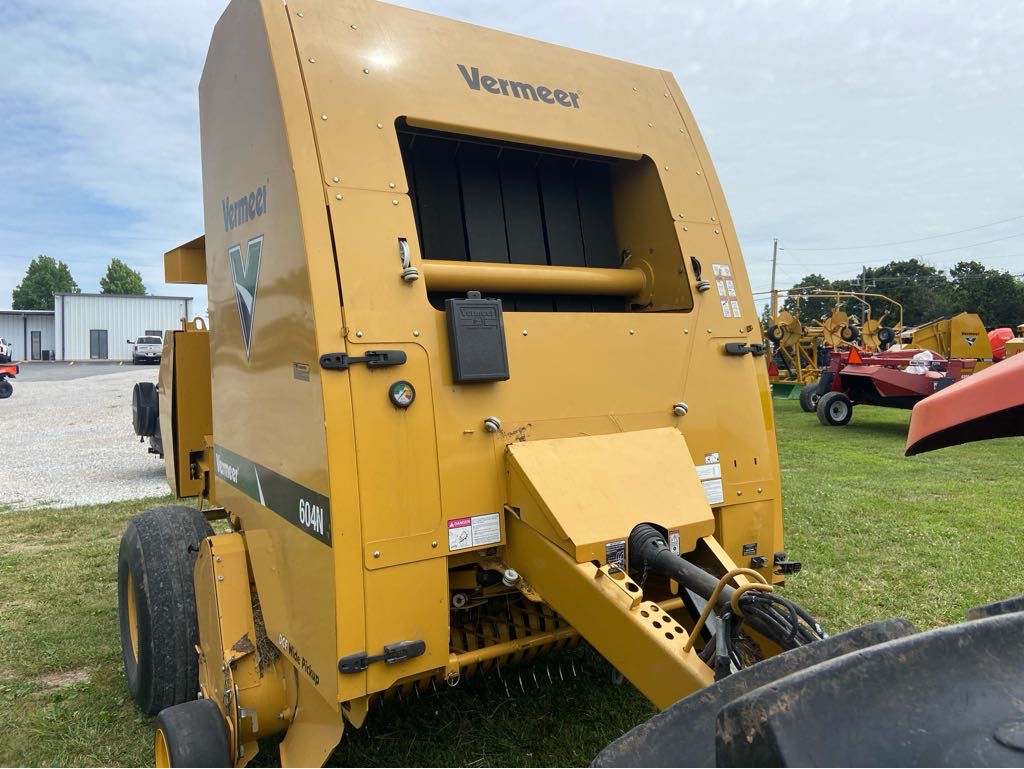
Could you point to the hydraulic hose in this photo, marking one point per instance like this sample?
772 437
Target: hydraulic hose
775 617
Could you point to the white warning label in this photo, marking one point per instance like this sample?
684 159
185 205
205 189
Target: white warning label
726 309
673 541
713 491
706 472
735 308
721 270
710 476
475 531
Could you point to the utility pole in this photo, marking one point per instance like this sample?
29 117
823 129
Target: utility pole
775 296
863 289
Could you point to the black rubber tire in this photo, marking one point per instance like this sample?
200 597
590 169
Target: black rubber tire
145 409
194 734
809 396
849 333
158 551
6 389
776 332
886 335
834 409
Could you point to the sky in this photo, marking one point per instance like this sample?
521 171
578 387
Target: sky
834 126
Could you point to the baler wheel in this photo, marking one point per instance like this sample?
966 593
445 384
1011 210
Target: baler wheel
145 409
809 396
6 389
849 333
192 734
157 605
776 332
834 409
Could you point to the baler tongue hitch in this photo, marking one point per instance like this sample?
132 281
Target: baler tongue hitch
754 603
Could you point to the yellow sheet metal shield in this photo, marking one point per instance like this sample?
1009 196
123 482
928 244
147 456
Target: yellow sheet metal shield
585 492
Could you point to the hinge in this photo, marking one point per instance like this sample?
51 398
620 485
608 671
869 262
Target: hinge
372 359
393 654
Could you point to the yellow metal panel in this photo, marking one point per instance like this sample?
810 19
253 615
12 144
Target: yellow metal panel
587 491
968 337
389 55
401 498
186 263
406 603
268 398
193 420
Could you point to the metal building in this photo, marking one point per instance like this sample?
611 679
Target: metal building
30 332
97 326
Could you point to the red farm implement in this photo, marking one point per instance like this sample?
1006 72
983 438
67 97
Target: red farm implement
895 379
7 371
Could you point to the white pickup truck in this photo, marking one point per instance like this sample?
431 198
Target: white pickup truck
6 351
146 348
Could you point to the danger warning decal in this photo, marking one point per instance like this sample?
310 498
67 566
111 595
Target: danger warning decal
477 531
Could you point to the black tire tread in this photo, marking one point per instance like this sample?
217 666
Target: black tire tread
161 543
825 401
807 396
196 734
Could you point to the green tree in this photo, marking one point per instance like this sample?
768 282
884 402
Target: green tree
44 277
924 291
121 279
996 296
810 308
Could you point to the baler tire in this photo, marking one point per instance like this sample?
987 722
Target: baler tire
192 734
776 333
157 605
834 409
145 409
6 389
809 396
885 335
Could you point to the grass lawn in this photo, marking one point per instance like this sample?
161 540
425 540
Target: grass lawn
879 535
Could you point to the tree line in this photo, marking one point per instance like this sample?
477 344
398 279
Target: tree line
46 276
925 292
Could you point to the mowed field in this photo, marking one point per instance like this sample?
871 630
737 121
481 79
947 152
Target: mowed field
879 535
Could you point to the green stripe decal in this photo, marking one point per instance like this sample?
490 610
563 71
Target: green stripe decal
304 508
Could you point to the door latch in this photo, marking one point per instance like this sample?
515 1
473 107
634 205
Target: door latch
393 654
739 348
339 361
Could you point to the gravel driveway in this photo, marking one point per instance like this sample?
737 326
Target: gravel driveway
65 443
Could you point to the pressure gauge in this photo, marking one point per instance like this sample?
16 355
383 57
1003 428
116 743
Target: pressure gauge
402 394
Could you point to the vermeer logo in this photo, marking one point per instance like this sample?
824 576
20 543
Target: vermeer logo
225 470
503 87
245 209
245 274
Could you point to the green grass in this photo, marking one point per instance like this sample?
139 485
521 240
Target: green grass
63 698
879 535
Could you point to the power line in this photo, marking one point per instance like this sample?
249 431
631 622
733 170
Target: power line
912 256
912 240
